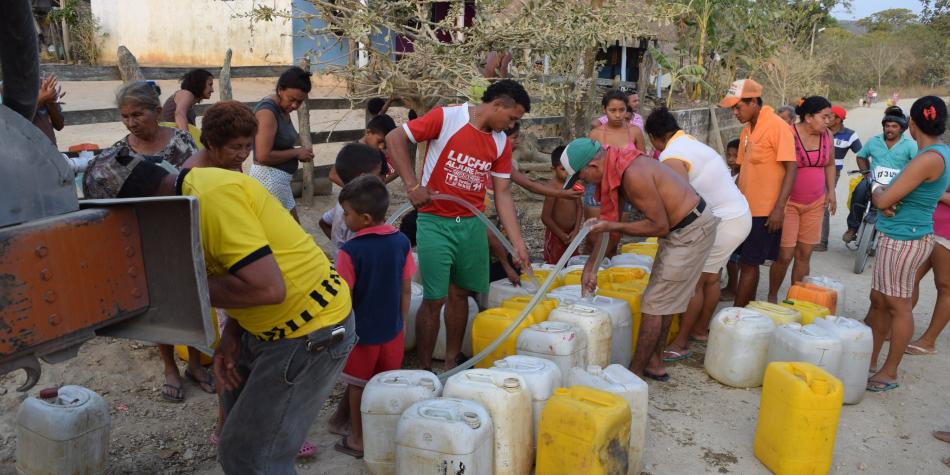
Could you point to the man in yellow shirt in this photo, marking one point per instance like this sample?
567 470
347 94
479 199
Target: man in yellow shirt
291 327
767 168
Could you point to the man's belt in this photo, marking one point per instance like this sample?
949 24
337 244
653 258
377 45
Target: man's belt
692 216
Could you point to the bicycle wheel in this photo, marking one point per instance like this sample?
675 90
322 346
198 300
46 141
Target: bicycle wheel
865 235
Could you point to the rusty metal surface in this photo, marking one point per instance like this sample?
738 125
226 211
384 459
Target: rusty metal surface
64 276
180 311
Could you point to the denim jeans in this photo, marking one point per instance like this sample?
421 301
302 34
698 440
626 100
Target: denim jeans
284 387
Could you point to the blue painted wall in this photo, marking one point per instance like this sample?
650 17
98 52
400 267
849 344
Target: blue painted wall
330 53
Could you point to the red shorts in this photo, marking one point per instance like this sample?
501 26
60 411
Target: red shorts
366 361
554 248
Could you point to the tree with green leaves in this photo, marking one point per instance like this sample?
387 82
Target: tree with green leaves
892 19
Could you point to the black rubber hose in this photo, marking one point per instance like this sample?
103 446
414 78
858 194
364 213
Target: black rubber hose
19 57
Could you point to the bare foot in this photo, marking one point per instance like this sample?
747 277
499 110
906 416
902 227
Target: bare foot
727 296
942 435
700 336
772 299
920 348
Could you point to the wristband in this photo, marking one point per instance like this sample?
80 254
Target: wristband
414 188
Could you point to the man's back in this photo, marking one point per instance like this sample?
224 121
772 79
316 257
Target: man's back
673 192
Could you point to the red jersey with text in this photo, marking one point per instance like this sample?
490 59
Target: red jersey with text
458 157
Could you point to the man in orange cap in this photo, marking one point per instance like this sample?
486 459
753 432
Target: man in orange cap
845 140
767 172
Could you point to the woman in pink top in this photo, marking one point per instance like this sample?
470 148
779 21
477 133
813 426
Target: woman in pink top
617 132
812 192
940 262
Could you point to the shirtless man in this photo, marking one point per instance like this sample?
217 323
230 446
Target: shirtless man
672 211
561 217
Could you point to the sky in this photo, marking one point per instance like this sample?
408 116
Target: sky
864 8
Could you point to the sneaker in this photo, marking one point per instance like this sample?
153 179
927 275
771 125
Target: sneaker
849 235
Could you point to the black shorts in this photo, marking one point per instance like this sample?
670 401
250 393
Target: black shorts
760 245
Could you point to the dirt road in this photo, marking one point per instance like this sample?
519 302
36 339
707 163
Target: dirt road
696 424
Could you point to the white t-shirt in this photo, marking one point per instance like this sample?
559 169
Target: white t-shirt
708 174
339 232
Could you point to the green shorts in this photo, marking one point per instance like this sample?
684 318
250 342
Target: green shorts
451 250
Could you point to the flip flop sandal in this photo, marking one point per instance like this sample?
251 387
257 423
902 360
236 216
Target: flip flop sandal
177 396
677 356
307 450
344 448
694 339
919 351
880 389
209 382
657 377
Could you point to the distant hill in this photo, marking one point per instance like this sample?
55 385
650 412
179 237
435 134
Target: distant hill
852 26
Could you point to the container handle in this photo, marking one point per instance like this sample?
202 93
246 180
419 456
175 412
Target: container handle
818 385
436 413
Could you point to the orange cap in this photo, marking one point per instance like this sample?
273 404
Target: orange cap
741 89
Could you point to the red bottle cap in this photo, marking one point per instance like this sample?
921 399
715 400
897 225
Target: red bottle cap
49 393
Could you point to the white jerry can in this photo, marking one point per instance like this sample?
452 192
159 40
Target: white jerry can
444 435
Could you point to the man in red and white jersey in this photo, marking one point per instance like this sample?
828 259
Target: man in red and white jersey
465 142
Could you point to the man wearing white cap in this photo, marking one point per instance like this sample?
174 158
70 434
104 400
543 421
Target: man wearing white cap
671 211
766 174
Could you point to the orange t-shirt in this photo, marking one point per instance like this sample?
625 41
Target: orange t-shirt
761 153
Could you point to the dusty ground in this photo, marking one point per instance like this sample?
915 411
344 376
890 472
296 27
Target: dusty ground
696 424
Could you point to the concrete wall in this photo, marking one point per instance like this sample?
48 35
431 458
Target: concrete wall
194 32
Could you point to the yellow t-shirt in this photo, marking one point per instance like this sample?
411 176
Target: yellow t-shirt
240 222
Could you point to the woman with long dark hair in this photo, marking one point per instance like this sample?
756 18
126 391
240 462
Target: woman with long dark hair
196 86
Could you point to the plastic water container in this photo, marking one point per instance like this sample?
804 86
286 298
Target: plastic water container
816 294
503 289
641 248
506 396
594 323
856 346
489 325
560 343
581 260
539 313
623 260
386 396
542 377
67 432
832 284
809 344
621 320
779 314
798 419
632 293
417 277
444 435
583 431
809 311
617 379
738 347
541 272
439 351
617 275
415 301
574 276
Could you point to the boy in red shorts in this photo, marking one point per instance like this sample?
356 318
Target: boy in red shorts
377 265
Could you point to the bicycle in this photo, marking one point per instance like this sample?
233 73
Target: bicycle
865 242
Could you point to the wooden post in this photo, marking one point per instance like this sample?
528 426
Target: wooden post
303 122
715 138
224 81
128 66
66 42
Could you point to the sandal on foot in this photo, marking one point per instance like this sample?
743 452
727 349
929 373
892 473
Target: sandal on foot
699 339
676 356
206 385
918 351
343 447
657 377
176 394
306 450
876 386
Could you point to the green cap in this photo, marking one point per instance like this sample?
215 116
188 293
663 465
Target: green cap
576 156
